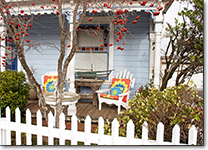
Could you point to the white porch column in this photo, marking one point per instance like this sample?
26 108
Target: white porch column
2 31
158 33
71 67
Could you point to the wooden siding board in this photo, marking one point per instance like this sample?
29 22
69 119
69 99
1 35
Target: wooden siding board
135 57
41 32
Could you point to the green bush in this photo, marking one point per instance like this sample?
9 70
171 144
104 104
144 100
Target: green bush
14 91
174 105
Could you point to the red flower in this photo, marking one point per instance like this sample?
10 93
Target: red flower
6 53
105 4
17 34
8 49
172 0
79 29
68 45
17 38
33 4
94 11
3 57
26 29
12 57
23 32
119 12
118 33
124 30
4 60
95 34
139 89
57 12
6 11
28 41
130 3
11 22
151 5
42 7
36 18
134 22
102 45
122 49
25 18
156 13
27 34
167 3
124 43
90 19
119 47
147 12
143 3
30 25
30 44
138 17
110 44
109 6
22 11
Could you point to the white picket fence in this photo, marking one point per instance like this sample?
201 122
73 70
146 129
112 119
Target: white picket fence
6 126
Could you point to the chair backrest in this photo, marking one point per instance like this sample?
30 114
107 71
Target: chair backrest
126 75
119 86
47 81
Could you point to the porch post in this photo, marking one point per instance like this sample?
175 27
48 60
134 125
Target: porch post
158 31
71 67
2 53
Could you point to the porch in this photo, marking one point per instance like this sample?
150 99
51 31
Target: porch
83 109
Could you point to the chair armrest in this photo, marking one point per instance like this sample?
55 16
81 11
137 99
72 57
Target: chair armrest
101 91
124 94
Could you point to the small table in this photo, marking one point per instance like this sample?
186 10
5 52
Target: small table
69 99
94 84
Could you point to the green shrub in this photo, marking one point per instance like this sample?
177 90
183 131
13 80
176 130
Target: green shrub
14 91
174 105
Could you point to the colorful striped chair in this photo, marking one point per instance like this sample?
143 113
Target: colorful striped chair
118 94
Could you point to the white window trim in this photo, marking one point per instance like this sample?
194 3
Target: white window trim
102 20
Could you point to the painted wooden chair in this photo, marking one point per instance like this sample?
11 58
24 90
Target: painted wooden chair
48 81
119 92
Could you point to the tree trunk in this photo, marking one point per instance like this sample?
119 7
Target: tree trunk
33 83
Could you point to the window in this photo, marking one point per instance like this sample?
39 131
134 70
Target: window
93 50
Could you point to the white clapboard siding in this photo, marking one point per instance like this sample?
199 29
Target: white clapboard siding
6 126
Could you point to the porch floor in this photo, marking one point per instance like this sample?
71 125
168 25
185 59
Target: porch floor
83 109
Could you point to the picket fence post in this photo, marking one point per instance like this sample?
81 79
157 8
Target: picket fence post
8 130
39 127
87 130
130 132
28 126
100 130
62 129
192 139
18 121
74 130
176 135
115 131
50 128
144 133
160 133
